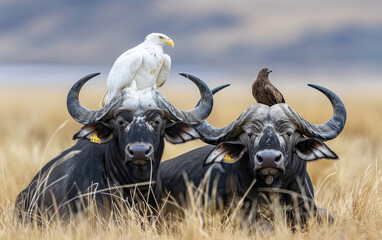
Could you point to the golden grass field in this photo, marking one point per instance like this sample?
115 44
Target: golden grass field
33 131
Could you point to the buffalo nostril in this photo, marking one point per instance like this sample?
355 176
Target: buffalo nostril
131 153
139 152
269 158
269 162
278 158
148 152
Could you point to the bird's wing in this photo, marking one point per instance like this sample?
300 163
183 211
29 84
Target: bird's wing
164 71
274 95
123 71
254 90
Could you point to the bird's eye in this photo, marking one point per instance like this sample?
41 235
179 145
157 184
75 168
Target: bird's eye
161 37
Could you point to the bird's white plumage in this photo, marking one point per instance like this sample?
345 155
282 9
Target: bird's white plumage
145 64
164 71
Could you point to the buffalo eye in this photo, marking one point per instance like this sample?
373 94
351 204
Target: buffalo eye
155 123
154 118
123 119
125 116
288 134
122 124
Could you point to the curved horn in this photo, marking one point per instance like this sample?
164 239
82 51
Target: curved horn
78 112
194 116
325 131
212 135
215 90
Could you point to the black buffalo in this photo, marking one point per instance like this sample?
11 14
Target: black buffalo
263 152
117 154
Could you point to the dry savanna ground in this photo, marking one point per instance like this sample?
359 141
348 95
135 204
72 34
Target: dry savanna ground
35 127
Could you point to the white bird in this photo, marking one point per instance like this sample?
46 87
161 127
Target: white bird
143 66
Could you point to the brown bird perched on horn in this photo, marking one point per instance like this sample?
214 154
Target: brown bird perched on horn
263 90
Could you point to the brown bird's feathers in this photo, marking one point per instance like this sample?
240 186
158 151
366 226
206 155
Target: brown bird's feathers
263 90
274 95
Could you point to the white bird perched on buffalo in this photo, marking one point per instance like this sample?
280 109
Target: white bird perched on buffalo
142 66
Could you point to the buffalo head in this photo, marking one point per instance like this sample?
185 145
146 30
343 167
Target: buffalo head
133 125
274 141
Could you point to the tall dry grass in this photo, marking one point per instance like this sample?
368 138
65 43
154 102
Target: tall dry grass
350 188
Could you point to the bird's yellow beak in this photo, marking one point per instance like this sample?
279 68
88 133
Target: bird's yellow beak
168 41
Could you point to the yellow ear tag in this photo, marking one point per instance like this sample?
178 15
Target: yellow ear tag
228 159
95 139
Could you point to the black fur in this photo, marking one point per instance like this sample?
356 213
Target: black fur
233 180
61 188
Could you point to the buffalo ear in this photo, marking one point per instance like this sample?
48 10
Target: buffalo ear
180 132
97 132
310 149
228 152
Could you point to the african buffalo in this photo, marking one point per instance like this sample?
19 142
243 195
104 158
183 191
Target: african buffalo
117 154
263 151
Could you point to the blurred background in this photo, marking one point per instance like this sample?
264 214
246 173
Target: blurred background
59 41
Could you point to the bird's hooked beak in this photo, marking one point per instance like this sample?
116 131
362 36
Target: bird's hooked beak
168 41
269 70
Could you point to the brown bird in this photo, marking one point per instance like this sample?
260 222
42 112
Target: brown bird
263 90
